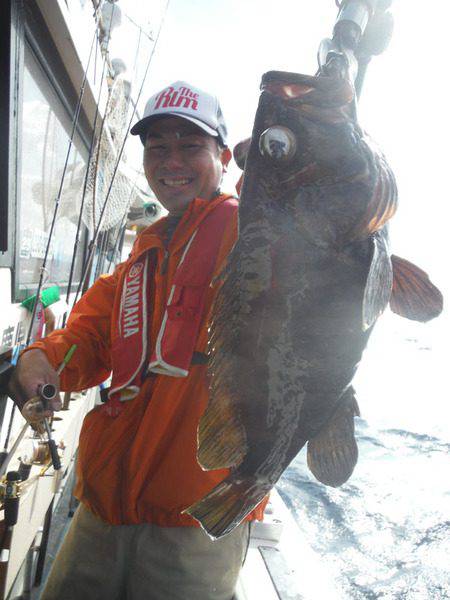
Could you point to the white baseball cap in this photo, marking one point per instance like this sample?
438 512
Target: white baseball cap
183 100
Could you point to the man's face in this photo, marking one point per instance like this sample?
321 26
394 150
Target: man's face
181 163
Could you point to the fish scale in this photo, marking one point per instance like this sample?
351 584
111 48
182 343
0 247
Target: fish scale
307 279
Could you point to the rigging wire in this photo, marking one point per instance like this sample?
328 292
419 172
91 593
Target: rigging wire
99 140
121 229
93 243
97 230
141 29
86 176
43 269
58 198
120 232
138 47
104 238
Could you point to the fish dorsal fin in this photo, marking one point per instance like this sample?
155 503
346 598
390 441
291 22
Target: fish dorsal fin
413 295
379 281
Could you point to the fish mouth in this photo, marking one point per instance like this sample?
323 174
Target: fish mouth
288 91
324 91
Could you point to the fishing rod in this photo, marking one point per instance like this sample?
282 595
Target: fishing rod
16 482
13 478
43 269
61 185
121 229
41 557
119 236
93 243
86 271
86 176
362 30
104 239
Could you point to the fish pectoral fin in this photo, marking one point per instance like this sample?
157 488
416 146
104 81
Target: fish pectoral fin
222 441
223 509
379 280
240 152
414 296
333 453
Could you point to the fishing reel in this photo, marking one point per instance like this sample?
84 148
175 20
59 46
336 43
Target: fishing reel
34 410
363 29
9 497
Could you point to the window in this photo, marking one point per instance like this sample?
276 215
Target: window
44 139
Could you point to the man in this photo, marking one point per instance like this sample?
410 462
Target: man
137 468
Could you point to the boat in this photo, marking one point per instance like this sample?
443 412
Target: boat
70 209
71 202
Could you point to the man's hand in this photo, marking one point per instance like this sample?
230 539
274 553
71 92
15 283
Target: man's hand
33 370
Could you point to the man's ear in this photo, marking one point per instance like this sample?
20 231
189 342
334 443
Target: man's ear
225 157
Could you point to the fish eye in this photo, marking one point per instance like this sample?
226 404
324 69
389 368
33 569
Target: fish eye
278 143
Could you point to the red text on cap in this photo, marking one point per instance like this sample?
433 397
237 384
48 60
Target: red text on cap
175 98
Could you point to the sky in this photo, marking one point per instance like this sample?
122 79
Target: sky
224 46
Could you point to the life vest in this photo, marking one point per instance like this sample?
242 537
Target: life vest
172 351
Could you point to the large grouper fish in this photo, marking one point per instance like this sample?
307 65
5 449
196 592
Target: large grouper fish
308 277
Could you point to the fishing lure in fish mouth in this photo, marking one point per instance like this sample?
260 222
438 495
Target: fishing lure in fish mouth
309 275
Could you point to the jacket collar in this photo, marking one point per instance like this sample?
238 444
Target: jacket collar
198 209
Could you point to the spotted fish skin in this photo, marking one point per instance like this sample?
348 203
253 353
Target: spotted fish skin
304 284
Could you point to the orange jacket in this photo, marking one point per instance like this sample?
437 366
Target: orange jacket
142 466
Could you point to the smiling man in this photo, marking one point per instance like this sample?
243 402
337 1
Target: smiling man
181 162
147 324
185 152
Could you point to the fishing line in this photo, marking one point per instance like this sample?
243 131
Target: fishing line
58 198
86 176
116 243
43 269
122 228
101 249
108 194
99 140
138 47
141 29
135 106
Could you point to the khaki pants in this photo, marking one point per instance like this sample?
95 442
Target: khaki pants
98 561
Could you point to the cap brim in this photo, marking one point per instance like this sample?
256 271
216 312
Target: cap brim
142 126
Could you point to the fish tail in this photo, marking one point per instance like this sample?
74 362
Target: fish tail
227 505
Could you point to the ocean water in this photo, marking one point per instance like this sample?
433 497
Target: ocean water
386 532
